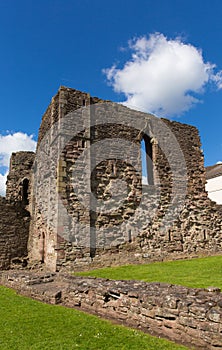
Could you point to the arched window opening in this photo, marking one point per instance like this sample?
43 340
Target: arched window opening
25 188
147 160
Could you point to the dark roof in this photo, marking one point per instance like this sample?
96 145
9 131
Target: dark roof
213 171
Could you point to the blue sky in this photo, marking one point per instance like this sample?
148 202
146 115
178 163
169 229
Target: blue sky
48 43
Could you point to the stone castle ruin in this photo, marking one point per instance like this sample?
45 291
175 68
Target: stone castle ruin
79 201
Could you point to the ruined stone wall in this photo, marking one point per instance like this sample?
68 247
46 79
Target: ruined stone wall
188 316
198 227
45 241
19 180
170 218
14 231
102 227
125 235
53 241
14 209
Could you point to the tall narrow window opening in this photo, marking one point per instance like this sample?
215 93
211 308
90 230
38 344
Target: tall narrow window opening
169 236
130 236
83 143
25 187
147 163
42 252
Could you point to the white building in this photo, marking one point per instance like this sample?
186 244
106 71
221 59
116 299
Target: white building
214 182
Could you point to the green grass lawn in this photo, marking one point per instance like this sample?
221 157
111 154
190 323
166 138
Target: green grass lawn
196 273
26 324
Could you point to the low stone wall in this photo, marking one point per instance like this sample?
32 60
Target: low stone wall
187 316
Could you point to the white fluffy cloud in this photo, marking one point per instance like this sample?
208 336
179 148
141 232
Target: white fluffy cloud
18 141
3 179
163 75
13 143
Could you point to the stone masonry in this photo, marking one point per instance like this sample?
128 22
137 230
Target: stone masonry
67 231
20 177
15 210
66 187
14 232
